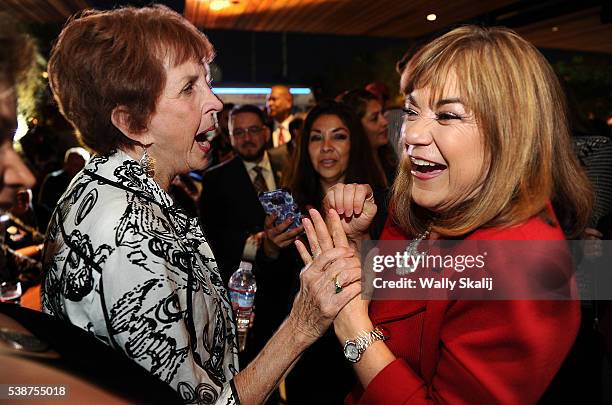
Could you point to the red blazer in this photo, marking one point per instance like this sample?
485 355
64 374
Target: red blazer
476 352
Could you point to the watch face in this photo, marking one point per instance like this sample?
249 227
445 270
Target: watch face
351 352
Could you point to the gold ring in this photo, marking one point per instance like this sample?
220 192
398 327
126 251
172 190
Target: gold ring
337 285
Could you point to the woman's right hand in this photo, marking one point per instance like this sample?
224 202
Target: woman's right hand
276 238
355 205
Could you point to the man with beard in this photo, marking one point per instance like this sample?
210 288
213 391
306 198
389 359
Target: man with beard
230 210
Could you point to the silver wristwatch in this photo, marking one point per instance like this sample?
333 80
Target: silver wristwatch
353 349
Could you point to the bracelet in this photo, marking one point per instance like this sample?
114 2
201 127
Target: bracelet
353 349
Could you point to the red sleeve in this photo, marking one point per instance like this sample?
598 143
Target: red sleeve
503 352
491 352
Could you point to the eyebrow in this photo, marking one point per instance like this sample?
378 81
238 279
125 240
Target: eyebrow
439 103
332 130
444 101
191 78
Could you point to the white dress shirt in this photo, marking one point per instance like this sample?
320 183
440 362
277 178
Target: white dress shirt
286 133
253 241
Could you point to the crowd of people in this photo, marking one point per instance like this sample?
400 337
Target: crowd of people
141 237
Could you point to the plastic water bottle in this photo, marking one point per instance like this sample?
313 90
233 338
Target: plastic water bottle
242 288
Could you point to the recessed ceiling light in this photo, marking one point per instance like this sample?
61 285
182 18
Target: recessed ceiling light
431 17
217 5
555 29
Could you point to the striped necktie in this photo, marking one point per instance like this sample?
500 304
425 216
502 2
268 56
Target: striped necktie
281 136
259 182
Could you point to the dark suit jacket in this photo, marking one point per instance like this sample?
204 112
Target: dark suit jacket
230 210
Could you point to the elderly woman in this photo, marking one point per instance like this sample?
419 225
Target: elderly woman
122 260
487 157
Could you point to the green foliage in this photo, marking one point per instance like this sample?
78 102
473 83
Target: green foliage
31 89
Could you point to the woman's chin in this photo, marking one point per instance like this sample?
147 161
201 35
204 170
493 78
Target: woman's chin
204 163
383 140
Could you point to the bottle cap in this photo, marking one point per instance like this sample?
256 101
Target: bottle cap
246 265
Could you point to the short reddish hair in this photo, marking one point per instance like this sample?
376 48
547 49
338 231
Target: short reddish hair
104 59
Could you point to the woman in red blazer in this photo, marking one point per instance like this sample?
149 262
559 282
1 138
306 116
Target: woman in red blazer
487 156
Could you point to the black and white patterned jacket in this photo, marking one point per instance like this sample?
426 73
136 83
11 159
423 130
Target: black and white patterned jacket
124 263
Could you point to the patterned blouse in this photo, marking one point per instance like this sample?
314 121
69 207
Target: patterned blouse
124 263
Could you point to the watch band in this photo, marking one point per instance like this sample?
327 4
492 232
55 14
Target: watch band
353 349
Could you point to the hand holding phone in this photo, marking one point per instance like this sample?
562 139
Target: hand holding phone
283 223
281 204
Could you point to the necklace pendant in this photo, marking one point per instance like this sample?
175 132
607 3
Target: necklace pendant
411 253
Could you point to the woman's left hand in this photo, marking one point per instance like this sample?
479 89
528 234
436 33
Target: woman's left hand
353 318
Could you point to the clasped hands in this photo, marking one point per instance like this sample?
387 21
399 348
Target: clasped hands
335 263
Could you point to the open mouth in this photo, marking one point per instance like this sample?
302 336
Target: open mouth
425 169
425 166
203 141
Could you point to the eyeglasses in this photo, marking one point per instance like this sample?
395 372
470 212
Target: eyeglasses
253 130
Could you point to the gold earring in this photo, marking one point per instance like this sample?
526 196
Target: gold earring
147 163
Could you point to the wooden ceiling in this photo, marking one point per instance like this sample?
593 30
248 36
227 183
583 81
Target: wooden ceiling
383 18
582 30
564 24
42 11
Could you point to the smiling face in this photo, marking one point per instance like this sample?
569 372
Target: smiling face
445 148
329 148
375 124
14 175
184 113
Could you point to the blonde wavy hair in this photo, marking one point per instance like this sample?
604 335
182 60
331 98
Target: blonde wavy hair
520 109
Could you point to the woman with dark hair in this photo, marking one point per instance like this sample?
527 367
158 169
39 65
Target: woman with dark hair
487 162
122 260
332 148
322 161
370 112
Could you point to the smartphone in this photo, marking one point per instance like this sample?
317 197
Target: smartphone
281 203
